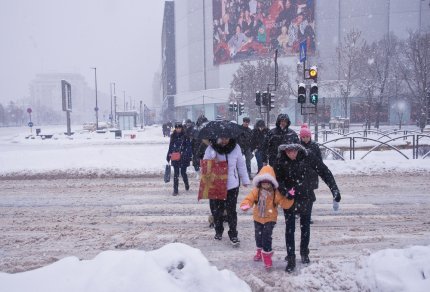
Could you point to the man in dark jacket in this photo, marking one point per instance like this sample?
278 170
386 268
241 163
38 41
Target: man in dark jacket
281 134
259 134
244 142
292 172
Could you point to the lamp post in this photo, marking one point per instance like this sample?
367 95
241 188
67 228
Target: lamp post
401 106
111 113
124 99
96 109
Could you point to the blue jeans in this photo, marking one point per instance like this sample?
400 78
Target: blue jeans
259 158
263 235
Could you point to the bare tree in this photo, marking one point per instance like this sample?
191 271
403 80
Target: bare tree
252 77
414 64
377 70
349 54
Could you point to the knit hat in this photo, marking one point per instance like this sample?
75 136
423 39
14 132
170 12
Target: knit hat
266 174
305 131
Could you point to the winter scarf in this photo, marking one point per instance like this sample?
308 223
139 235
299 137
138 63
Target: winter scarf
223 149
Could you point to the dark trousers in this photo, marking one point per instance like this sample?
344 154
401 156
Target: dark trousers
259 158
217 209
263 235
305 226
183 170
248 157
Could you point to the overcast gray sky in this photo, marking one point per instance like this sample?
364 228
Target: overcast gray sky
122 38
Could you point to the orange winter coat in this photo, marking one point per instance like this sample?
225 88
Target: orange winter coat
271 211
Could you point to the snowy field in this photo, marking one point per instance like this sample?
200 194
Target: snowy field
92 214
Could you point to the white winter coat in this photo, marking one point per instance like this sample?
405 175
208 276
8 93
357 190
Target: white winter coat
236 163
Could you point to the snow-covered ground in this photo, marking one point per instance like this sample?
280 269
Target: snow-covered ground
378 241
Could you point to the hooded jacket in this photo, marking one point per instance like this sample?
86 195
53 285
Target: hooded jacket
296 173
276 137
273 200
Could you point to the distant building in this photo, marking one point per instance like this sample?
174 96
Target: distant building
46 99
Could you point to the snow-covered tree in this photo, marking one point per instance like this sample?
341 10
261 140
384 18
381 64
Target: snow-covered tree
414 65
376 70
350 56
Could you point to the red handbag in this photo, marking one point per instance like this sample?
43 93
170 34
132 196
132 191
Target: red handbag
175 156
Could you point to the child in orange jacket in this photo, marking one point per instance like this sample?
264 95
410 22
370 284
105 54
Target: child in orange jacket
265 198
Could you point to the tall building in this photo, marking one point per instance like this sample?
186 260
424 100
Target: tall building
168 61
209 45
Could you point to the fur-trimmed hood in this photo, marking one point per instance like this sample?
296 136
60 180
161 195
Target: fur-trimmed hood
291 146
266 173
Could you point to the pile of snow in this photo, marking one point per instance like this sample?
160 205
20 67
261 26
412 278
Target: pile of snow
174 267
397 270
179 267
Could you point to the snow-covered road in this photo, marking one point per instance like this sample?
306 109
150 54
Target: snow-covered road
42 221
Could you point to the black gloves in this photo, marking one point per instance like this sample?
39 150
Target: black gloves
336 195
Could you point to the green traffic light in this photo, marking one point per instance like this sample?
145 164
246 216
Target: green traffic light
314 99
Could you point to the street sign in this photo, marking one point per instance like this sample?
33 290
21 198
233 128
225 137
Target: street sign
303 51
29 110
30 124
66 90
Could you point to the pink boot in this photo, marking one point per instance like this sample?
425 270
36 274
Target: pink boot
257 256
267 259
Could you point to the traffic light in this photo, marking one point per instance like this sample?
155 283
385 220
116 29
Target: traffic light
241 108
232 106
313 73
313 96
271 100
258 98
264 98
301 93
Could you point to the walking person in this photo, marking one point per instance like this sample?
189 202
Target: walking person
226 149
293 174
244 141
265 198
281 134
180 154
258 136
306 141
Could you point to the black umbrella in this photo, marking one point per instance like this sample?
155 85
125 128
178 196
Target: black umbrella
217 129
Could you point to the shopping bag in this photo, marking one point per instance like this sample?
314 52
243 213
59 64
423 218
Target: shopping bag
167 173
213 179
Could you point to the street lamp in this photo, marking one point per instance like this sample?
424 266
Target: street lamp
401 106
111 113
96 109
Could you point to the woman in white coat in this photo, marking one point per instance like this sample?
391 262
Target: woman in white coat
227 149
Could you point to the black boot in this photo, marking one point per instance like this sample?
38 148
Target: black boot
305 259
187 185
291 265
175 186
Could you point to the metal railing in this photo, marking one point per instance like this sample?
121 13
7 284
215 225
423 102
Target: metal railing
352 141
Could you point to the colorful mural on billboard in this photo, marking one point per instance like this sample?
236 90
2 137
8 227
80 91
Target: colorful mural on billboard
250 29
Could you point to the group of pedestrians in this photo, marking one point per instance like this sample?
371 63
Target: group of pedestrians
288 171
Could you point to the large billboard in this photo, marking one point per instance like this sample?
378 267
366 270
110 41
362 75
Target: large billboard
250 29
